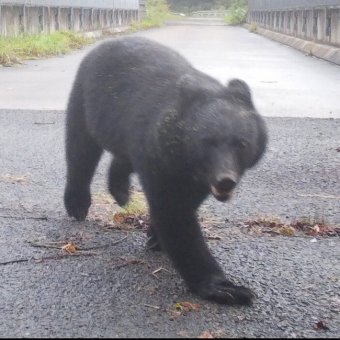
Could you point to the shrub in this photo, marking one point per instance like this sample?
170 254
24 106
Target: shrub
237 13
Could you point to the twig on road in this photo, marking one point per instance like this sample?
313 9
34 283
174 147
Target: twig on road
40 218
150 306
44 123
40 245
320 196
129 262
80 252
105 245
38 260
158 270
54 246
14 261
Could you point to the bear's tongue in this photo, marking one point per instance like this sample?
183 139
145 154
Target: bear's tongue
221 195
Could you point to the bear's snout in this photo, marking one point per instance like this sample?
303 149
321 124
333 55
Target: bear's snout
227 183
223 188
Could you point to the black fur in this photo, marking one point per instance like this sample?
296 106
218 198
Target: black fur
181 131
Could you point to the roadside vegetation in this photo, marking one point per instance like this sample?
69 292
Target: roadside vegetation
157 11
14 50
237 13
189 6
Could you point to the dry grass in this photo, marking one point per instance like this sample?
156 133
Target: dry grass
14 50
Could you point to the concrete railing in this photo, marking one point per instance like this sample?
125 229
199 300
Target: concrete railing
313 20
209 14
106 4
270 5
42 16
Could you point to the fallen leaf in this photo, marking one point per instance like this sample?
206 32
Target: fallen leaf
178 306
316 228
220 334
287 231
183 334
182 308
205 335
321 325
190 306
118 218
174 313
273 227
69 247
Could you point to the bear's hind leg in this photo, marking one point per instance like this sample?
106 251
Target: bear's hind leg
119 183
82 157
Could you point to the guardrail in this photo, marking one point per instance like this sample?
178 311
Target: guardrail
313 20
209 14
42 16
262 5
104 4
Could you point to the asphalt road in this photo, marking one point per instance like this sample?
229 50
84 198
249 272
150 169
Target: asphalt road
109 289
285 82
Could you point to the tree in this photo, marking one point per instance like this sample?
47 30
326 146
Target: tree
156 8
189 6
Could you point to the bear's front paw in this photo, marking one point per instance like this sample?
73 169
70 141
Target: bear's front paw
223 291
77 204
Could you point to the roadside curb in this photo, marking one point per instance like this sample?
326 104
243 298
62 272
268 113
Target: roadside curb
99 33
326 52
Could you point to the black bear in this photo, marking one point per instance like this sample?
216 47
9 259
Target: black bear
184 134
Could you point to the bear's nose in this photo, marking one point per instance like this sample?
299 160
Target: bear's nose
226 184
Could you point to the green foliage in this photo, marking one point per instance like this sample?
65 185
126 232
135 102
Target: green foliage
136 206
156 12
144 24
237 12
13 50
157 9
188 6
253 27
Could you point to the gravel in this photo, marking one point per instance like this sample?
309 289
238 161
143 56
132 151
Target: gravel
106 294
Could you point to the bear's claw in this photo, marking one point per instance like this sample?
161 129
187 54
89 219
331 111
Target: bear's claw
225 292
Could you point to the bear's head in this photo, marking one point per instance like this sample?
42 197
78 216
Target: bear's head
223 135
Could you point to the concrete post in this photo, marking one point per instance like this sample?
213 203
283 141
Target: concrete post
71 23
81 19
24 19
16 19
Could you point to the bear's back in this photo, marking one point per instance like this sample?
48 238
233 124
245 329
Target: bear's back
135 56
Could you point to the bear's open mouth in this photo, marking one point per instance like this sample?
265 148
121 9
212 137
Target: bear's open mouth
220 195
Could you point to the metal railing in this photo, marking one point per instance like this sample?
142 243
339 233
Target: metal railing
258 5
121 4
209 14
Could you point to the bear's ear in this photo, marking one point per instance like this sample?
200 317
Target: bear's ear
189 90
239 90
